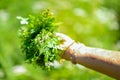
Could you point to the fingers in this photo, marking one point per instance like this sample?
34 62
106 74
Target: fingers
67 41
64 37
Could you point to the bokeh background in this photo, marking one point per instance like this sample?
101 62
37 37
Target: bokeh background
95 23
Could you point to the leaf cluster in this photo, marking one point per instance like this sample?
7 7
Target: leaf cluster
38 39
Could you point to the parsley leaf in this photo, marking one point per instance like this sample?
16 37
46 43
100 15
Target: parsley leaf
38 41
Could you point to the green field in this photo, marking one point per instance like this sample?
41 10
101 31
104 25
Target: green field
95 23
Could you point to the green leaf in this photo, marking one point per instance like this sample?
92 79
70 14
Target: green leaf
38 41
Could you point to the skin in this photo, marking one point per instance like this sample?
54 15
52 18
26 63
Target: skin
101 60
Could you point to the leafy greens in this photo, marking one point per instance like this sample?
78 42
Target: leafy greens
38 39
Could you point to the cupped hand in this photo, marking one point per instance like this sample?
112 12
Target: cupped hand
66 43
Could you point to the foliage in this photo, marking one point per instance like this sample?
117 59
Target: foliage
86 21
38 39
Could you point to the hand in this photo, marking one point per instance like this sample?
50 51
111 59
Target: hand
70 47
66 43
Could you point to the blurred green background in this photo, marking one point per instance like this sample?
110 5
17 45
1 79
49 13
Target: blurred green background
95 23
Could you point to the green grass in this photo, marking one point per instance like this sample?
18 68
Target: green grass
79 21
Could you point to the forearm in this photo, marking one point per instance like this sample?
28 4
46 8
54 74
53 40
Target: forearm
104 61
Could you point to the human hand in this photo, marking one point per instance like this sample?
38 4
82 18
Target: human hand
70 47
66 43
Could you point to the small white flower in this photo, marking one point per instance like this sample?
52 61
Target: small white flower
19 69
18 17
22 20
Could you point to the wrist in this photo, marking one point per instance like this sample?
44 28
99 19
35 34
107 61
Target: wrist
73 51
